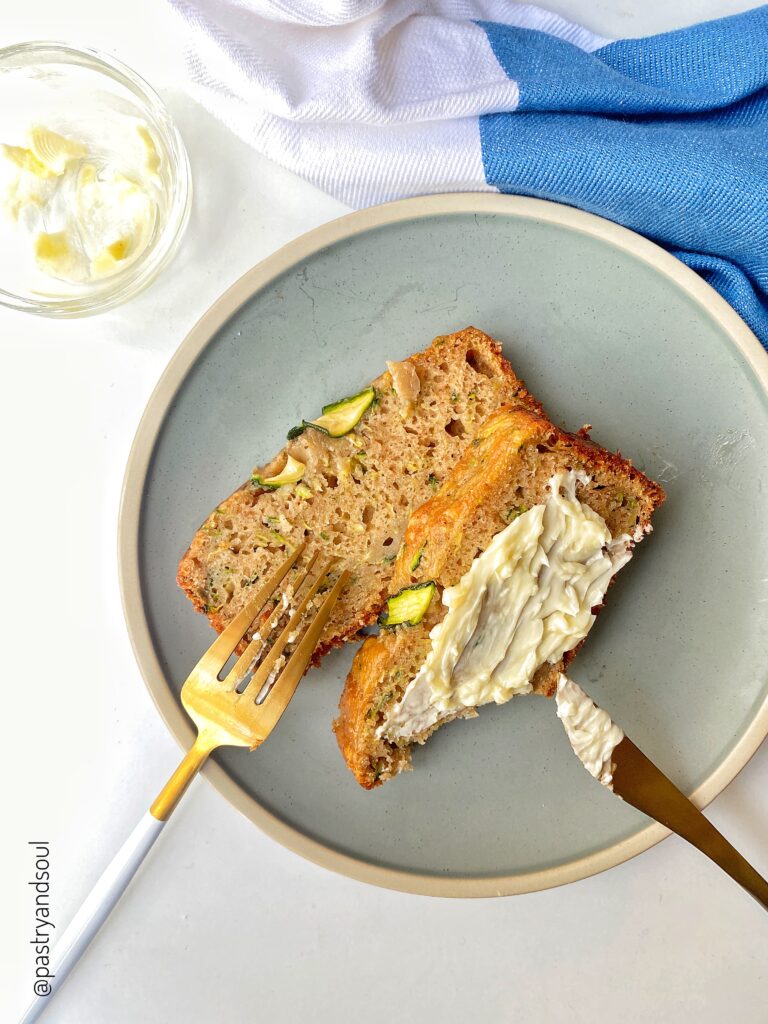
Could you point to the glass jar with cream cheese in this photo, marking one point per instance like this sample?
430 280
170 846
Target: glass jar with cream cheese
94 181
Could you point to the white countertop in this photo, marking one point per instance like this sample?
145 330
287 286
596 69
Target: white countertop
222 924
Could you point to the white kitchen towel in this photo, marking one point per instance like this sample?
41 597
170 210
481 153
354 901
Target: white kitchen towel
380 99
370 100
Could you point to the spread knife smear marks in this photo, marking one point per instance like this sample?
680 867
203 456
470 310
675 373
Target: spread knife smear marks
526 600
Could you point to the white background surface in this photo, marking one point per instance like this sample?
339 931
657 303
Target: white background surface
222 924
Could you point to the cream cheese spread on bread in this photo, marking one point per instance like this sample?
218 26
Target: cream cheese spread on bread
526 600
593 735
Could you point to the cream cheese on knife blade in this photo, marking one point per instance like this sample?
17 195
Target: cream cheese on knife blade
593 735
526 600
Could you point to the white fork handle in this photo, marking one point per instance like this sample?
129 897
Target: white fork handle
97 908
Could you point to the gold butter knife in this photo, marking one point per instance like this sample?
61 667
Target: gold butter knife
613 759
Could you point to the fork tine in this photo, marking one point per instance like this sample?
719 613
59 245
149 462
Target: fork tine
240 669
261 675
279 696
220 651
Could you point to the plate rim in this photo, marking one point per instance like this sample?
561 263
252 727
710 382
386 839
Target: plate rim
142 450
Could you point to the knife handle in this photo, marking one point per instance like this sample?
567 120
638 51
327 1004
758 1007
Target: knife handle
639 782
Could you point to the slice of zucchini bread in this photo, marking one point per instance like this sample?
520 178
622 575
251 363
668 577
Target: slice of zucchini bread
352 494
513 554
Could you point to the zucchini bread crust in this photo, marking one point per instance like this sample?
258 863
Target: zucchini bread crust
505 471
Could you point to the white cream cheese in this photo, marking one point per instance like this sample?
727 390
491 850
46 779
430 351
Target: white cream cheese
526 600
88 211
593 735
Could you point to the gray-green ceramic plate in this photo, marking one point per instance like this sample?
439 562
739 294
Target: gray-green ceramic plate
605 328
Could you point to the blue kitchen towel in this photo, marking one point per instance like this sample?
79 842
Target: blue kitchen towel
378 99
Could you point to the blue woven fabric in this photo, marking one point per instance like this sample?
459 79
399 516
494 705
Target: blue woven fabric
667 135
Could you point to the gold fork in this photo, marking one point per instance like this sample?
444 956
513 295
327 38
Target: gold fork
229 709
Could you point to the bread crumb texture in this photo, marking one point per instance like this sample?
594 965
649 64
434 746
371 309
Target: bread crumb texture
357 491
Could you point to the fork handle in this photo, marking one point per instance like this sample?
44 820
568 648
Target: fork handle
176 786
97 907
116 877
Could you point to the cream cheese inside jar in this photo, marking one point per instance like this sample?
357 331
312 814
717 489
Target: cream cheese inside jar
86 204
95 183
